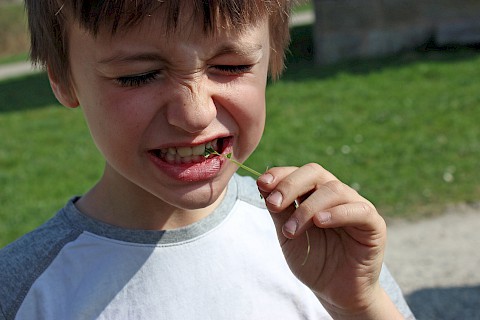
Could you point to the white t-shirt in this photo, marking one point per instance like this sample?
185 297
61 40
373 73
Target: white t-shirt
226 266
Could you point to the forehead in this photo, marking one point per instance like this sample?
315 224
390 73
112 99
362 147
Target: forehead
183 48
152 34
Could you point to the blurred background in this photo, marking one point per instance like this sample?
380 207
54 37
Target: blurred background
385 94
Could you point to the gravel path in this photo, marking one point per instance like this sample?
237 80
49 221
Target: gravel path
436 262
16 70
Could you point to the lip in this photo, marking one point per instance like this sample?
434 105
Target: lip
193 172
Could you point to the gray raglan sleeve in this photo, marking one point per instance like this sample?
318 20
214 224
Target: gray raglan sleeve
393 290
23 261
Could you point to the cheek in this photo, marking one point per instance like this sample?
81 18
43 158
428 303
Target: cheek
249 101
116 122
255 104
255 120
249 115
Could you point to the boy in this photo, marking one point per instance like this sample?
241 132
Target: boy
168 233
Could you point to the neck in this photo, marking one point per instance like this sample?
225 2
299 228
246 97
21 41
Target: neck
135 208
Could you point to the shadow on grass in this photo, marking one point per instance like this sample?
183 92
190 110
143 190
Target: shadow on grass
24 93
300 59
446 303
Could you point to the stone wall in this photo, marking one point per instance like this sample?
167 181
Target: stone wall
366 28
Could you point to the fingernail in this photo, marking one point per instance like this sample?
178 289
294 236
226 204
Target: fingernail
266 178
324 217
275 198
290 227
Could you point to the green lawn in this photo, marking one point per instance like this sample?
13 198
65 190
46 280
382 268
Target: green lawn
45 155
402 130
21 57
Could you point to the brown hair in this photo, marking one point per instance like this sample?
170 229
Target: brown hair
49 21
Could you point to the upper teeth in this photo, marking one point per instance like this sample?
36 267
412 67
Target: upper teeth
197 150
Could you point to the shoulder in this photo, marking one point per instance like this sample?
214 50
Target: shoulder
248 191
22 262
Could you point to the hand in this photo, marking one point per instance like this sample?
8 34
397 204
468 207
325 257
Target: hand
333 242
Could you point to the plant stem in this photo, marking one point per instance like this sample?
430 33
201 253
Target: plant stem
229 157
241 165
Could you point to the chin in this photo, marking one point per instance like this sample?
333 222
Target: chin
201 197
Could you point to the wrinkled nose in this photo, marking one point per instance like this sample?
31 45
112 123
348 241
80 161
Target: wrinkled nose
192 108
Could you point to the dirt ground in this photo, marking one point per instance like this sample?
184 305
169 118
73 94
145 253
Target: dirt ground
436 263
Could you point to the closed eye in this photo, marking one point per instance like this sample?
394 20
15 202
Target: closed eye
233 69
138 80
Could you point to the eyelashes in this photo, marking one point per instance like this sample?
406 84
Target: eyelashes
234 69
148 77
138 80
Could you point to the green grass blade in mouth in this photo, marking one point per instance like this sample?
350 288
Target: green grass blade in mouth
229 156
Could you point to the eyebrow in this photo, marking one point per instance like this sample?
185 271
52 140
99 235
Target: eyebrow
248 49
122 57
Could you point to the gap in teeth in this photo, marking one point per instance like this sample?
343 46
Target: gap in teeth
180 155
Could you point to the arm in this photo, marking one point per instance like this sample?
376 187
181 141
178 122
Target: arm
333 241
382 308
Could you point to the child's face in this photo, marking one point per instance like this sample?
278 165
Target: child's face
144 93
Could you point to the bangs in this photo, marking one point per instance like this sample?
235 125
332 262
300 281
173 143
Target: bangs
49 22
122 14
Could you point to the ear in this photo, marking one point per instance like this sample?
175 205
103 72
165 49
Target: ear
63 92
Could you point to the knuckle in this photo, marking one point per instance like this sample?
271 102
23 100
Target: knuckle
362 212
286 184
307 208
366 209
348 211
336 186
315 168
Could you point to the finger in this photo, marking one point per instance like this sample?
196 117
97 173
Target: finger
269 180
360 217
285 189
328 195
266 184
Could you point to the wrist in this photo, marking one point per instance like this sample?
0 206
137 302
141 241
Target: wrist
380 307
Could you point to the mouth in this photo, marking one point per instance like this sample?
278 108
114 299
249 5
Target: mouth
190 154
